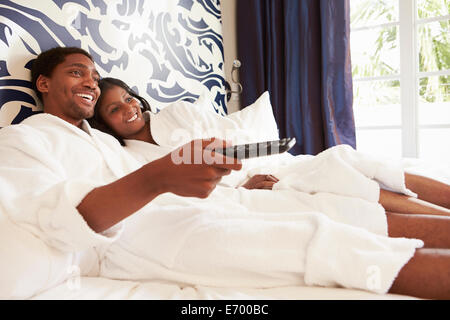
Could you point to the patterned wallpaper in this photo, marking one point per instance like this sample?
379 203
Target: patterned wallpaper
166 50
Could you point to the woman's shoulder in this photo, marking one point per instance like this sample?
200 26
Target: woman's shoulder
145 152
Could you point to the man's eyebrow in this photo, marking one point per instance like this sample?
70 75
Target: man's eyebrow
77 65
80 65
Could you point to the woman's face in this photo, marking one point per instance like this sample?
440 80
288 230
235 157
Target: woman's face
121 112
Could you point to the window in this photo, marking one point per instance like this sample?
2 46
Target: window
401 77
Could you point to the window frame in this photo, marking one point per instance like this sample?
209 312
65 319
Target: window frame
409 77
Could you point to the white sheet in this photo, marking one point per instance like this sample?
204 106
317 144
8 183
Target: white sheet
94 288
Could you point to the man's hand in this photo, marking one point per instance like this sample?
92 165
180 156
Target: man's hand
190 171
194 170
261 181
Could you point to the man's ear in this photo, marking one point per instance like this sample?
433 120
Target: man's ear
42 83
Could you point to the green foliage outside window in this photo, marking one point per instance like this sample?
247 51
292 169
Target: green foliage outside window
433 43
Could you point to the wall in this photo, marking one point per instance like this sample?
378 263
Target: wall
166 50
229 33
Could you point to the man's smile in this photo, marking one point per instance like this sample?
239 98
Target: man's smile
86 96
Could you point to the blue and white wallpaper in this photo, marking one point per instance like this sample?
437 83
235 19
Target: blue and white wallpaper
167 50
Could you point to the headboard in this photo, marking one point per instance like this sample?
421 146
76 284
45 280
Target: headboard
167 50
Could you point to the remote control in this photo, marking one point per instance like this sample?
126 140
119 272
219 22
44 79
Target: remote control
252 150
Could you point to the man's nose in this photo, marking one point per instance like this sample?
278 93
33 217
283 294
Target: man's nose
90 82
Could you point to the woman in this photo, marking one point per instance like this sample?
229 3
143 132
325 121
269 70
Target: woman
126 115
119 112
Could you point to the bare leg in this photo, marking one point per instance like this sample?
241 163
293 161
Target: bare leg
429 190
426 275
434 231
400 203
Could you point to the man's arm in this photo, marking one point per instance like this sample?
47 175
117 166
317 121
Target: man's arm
196 176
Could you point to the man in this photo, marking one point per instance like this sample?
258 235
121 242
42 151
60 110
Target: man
73 186
68 185
70 92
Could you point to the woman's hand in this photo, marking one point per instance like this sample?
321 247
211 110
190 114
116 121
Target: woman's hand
261 181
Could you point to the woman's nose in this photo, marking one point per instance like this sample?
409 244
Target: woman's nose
127 108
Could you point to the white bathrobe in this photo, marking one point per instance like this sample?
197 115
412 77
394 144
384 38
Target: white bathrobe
236 237
47 166
341 184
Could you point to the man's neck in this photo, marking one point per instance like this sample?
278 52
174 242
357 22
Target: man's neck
76 123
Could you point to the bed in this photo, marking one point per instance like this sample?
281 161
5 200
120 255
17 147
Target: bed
179 44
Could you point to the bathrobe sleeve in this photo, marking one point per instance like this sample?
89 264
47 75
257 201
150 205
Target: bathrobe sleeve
39 194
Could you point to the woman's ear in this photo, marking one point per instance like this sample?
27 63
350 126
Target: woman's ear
42 83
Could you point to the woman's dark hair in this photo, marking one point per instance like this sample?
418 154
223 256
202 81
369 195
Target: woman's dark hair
106 84
47 61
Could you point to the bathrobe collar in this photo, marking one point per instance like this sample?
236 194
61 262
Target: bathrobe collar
116 158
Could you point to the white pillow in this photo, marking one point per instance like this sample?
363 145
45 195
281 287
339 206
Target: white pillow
182 122
258 119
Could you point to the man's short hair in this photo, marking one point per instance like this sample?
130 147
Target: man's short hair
47 61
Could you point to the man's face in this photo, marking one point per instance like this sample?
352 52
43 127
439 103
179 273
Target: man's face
72 90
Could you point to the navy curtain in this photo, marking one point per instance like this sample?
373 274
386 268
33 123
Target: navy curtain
299 51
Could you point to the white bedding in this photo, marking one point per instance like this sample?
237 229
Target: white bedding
261 238
350 199
102 288
95 288
329 234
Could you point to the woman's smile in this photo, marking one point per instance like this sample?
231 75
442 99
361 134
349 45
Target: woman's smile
134 117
